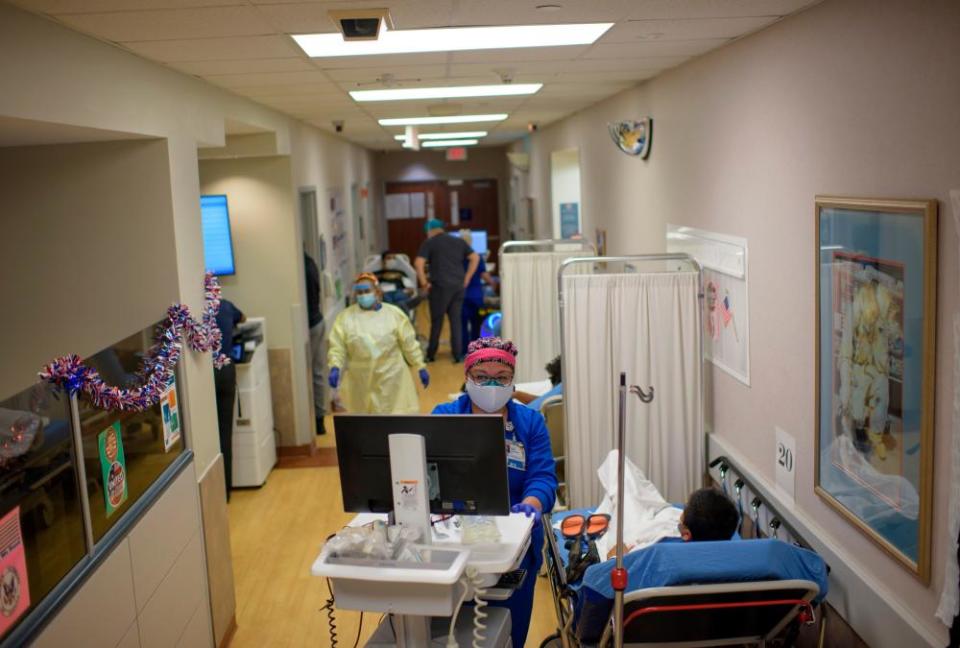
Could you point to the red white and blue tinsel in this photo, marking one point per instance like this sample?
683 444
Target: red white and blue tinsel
156 369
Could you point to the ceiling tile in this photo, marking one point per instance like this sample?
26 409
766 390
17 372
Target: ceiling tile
578 89
623 63
516 67
298 17
371 74
608 76
378 60
519 54
691 29
215 49
244 66
653 9
84 6
169 24
407 14
525 12
265 79
654 48
289 90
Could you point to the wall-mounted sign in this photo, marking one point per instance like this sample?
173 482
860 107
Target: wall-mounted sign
457 153
113 467
14 582
170 412
569 219
632 137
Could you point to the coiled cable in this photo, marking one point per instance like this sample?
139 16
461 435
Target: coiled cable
479 614
329 609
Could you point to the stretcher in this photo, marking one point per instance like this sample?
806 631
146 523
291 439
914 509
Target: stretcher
690 594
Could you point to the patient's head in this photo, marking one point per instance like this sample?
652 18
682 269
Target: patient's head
553 370
708 515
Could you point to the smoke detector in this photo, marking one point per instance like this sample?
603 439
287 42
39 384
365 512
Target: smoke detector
361 24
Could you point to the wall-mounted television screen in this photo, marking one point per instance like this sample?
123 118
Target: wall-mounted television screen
217 244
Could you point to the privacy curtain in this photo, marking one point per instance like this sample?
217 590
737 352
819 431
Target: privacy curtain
531 313
648 326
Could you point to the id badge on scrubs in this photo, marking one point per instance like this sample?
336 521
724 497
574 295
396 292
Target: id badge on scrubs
516 455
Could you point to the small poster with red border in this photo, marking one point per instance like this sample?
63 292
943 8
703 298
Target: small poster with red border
14 582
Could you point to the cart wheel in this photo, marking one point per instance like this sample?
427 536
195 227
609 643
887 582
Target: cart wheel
553 641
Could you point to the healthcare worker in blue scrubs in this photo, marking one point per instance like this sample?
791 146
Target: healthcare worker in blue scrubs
489 367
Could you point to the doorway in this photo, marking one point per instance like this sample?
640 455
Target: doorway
460 204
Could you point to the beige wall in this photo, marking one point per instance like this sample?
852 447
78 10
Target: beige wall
87 238
151 590
851 97
73 83
263 226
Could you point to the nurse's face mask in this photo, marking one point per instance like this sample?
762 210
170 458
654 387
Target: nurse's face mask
490 386
366 297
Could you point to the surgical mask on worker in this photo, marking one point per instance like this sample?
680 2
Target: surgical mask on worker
490 396
367 300
392 264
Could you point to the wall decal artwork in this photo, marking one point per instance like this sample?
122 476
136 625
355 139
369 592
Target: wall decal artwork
633 137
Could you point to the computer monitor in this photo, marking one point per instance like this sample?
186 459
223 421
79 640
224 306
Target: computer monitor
478 240
466 462
217 242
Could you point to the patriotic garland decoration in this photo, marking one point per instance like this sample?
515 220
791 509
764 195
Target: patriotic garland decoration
156 368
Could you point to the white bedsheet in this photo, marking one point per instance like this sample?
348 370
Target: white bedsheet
648 518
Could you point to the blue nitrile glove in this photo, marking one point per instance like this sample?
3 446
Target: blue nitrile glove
528 510
424 378
334 377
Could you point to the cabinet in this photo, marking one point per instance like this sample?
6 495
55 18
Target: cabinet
254 444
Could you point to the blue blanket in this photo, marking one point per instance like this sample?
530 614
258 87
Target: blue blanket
684 563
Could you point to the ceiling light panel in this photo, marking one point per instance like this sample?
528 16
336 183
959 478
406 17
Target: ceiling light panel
451 92
453 39
437 143
444 119
451 135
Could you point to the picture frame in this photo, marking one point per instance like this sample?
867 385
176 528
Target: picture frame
876 291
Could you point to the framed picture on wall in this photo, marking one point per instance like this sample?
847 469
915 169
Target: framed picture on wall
876 272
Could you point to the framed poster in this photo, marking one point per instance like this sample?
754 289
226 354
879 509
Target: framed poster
726 313
876 264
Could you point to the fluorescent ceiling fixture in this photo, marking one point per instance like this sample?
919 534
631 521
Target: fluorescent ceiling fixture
459 142
452 39
444 119
452 92
439 136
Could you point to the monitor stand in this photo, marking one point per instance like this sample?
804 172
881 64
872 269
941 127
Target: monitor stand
408 472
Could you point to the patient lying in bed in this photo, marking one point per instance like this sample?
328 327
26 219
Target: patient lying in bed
708 515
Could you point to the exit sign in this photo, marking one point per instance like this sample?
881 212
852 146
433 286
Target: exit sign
457 153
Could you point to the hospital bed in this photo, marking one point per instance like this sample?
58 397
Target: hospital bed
688 593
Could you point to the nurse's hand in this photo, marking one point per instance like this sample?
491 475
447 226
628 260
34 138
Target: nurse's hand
424 378
528 510
334 378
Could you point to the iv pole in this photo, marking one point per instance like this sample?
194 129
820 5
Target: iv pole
618 577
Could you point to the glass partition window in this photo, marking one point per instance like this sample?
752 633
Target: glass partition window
125 452
41 523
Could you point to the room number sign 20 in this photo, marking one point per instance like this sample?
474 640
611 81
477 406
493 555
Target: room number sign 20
785 463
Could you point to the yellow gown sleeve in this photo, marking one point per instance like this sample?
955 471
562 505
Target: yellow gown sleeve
407 337
337 352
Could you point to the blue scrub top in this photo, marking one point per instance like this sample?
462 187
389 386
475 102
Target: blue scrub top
539 477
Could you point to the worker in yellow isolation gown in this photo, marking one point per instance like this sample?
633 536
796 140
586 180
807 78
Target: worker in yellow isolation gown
372 347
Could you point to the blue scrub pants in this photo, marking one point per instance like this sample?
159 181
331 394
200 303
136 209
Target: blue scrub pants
471 321
521 603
